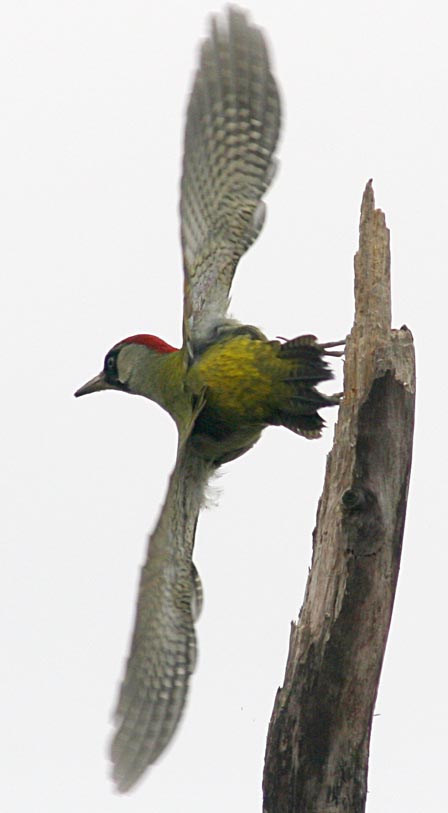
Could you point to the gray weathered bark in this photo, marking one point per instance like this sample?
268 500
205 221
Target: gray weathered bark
318 742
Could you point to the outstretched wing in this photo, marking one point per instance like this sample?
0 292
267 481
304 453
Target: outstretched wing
233 121
163 649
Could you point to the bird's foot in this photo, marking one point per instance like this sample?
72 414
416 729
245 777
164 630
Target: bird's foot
325 347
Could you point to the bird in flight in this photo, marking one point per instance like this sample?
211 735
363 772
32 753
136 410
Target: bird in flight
222 387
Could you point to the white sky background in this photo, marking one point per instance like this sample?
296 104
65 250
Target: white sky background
93 95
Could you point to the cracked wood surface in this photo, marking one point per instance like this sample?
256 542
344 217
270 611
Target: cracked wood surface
318 741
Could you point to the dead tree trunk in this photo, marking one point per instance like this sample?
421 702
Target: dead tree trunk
318 742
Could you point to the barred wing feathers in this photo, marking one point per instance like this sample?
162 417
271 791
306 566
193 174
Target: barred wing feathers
163 648
232 127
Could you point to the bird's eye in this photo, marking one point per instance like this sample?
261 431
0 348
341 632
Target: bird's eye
110 366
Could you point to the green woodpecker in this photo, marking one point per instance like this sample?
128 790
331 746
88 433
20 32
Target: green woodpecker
222 388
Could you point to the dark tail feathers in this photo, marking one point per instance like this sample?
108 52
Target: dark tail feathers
307 368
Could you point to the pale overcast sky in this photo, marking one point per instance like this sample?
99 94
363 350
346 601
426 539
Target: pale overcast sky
93 94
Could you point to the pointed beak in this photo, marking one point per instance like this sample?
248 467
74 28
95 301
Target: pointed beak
94 385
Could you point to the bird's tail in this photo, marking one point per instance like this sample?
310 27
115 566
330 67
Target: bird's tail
305 367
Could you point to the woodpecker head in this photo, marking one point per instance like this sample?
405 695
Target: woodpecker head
135 365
